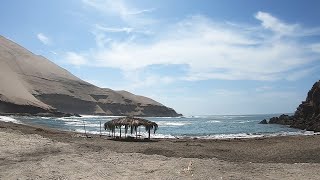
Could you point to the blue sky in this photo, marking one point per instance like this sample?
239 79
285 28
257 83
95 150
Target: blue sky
198 57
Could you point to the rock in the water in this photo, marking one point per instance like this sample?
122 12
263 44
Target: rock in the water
307 115
283 119
263 122
32 84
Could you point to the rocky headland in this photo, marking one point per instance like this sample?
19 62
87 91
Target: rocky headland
307 115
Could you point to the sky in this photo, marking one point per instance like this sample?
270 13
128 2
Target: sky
199 57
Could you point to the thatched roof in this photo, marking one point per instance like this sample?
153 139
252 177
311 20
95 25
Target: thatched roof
130 122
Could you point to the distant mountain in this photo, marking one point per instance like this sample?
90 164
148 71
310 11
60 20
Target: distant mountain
32 84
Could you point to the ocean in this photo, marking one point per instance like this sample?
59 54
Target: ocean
204 127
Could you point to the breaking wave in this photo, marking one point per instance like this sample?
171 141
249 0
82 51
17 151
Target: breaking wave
9 119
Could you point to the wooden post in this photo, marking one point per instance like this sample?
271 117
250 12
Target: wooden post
125 131
139 133
120 132
85 131
100 129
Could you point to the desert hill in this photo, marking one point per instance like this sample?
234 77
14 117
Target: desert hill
33 84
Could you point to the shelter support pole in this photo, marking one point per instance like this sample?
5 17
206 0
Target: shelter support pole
100 129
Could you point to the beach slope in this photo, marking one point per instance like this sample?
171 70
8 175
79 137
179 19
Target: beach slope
29 152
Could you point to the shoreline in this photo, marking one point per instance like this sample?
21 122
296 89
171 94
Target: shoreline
36 152
68 136
182 137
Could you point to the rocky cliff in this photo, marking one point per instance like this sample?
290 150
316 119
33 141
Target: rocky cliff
307 115
33 84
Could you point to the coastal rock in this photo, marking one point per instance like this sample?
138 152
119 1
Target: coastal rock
263 122
307 115
32 84
283 119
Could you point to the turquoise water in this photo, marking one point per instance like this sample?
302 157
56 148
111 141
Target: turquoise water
215 126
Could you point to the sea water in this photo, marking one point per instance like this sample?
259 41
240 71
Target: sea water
205 127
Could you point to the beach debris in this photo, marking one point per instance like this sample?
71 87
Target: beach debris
189 166
189 169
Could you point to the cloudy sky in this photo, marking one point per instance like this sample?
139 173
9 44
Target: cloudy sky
198 57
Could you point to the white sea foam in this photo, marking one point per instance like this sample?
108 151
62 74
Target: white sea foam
241 122
77 124
98 117
213 121
247 136
228 117
86 131
170 123
88 116
231 136
244 116
45 117
9 119
162 117
70 120
144 134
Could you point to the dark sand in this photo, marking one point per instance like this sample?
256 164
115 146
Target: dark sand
56 154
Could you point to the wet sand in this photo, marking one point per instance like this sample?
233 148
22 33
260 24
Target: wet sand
33 152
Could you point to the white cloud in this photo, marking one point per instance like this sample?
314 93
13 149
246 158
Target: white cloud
115 30
75 59
126 30
301 73
44 39
147 82
284 29
141 11
274 24
225 101
119 8
214 50
111 7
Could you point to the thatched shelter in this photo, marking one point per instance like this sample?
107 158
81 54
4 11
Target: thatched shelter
131 123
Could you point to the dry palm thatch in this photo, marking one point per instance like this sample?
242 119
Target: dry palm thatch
132 123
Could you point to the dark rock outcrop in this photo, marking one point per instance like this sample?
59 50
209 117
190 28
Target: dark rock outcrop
263 122
282 119
31 84
307 115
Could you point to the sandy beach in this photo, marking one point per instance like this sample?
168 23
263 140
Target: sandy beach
31 152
